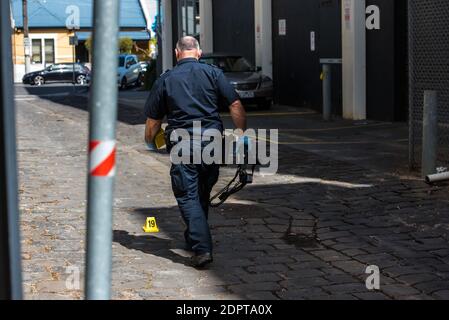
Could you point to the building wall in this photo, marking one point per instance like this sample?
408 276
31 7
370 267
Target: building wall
297 68
234 27
149 8
63 50
386 63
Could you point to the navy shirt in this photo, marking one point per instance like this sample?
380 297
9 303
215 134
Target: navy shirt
192 91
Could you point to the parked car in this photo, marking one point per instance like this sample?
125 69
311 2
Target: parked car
249 82
129 71
61 72
145 65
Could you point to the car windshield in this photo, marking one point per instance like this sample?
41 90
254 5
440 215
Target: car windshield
121 61
230 64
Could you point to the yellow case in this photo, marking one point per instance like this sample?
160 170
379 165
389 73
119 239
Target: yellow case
160 139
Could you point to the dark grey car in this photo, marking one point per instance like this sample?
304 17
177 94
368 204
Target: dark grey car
60 72
252 86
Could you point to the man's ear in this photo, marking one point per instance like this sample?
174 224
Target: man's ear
200 53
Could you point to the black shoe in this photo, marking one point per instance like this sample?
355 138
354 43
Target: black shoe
202 260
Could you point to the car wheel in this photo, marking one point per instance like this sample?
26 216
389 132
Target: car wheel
81 79
38 80
123 84
139 81
265 105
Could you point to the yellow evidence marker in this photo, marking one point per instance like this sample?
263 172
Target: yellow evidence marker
150 226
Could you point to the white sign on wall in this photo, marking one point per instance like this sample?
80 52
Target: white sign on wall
312 41
282 27
27 46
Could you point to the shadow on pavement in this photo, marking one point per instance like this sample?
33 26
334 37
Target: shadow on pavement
54 89
78 99
311 231
150 245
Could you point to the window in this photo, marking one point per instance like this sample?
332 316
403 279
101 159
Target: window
43 51
131 61
65 67
69 67
121 61
230 64
49 51
55 67
36 55
189 17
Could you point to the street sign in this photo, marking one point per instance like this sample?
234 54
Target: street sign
26 42
73 41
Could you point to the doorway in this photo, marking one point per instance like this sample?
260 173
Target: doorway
303 32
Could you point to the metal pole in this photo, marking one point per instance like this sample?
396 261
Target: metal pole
411 91
439 177
167 35
430 133
103 117
186 22
10 257
327 92
74 62
159 64
26 36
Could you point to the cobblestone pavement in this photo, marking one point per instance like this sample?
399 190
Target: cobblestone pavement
307 233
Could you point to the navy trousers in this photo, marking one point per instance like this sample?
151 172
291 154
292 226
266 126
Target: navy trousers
192 185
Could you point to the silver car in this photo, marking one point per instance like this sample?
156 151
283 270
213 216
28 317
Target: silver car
252 86
129 71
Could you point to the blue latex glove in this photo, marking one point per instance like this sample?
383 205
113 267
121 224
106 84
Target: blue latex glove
244 142
151 146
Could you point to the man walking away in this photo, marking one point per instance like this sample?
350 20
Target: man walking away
192 92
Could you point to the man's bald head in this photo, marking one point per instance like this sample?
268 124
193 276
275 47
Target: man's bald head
188 47
187 44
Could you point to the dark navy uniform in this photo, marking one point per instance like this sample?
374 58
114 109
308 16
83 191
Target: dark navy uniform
192 91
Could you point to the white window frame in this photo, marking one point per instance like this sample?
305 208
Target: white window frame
42 37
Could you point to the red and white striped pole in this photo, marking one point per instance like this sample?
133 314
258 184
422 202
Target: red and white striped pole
102 149
102 158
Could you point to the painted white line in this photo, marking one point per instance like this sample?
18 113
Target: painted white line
37 96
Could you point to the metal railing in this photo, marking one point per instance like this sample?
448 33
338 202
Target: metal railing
103 118
10 257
